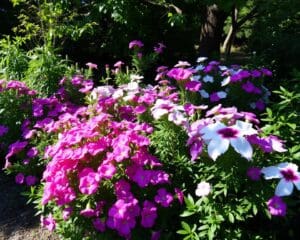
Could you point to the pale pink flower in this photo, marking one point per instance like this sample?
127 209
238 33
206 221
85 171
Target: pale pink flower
203 189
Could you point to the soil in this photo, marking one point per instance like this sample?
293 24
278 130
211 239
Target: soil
17 219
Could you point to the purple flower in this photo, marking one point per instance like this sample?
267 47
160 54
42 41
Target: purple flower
266 72
31 180
48 222
276 206
196 149
99 224
163 197
159 49
20 178
67 213
254 173
88 212
135 43
3 130
179 74
260 105
193 86
148 214
32 152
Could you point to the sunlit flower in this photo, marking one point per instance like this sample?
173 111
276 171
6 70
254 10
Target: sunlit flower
288 174
218 136
203 189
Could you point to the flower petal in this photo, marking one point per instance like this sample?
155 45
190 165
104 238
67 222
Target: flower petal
242 146
210 131
245 128
216 147
284 188
297 184
271 172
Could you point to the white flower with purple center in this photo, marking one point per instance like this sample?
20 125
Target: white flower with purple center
218 136
288 172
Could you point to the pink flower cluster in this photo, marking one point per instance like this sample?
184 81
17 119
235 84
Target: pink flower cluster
108 145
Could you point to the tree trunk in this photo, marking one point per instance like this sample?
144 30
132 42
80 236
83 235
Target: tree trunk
211 32
232 32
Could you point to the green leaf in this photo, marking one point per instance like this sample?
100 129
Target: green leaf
231 217
187 214
186 226
182 232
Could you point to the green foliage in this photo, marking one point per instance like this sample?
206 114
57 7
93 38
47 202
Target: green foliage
228 212
45 69
14 108
13 59
283 118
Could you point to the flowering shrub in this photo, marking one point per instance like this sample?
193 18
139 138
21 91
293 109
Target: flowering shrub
132 158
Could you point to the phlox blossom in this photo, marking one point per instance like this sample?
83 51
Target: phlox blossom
203 189
179 74
148 214
91 65
135 43
163 197
288 174
218 136
88 181
276 206
48 222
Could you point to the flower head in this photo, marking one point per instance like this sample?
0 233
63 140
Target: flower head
276 206
135 43
92 65
203 189
254 173
288 174
219 137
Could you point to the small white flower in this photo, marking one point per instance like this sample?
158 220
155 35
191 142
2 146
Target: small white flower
182 64
201 59
135 77
203 189
132 86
